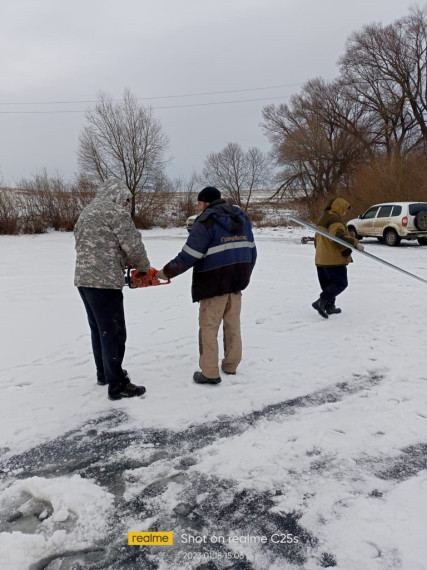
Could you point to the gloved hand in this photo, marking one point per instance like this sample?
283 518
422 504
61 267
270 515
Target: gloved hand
161 275
360 247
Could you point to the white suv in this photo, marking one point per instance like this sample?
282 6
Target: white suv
190 221
392 222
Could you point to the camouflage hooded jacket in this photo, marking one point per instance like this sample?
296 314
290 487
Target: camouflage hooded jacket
107 239
328 252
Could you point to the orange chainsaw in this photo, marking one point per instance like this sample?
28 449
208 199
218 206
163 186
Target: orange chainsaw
134 281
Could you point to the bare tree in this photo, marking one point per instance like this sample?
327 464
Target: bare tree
317 140
238 173
9 213
186 195
413 66
123 140
384 69
48 201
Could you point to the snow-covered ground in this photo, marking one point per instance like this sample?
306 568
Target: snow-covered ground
319 441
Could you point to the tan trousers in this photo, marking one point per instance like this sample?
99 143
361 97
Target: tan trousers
225 308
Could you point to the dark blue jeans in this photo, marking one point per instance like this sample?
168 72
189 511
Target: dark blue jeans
333 280
105 313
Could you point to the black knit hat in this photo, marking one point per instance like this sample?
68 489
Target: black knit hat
209 194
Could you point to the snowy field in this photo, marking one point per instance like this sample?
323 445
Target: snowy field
313 456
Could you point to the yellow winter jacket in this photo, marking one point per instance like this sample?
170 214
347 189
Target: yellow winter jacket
328 252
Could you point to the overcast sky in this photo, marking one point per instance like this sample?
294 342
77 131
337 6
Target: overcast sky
199 63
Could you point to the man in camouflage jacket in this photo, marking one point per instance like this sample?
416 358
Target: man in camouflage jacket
107 241
332 258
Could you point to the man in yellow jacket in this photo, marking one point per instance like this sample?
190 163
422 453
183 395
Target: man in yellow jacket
332 258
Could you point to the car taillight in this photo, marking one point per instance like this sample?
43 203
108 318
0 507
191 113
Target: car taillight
405 221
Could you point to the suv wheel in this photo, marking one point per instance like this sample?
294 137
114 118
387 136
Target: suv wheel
353 233
422 241
421 221
391 238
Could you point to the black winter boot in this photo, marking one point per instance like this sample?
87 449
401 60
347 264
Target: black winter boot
199 378
101 381
320 307
332 310
129 390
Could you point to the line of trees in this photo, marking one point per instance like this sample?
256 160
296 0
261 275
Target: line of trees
125 140
43 202
364 134
374 112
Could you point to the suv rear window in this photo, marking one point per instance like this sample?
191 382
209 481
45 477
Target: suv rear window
415 208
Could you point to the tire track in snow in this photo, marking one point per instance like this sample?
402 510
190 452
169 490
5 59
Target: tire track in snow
155 463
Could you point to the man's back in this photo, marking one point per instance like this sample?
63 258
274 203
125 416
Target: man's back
221 249
106 239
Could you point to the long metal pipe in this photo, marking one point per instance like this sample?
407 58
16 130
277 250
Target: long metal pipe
344 243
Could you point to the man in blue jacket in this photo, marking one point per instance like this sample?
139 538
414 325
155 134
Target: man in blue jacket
221 249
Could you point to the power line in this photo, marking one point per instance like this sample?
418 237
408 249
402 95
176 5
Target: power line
154 108
40 112
158 97
221 102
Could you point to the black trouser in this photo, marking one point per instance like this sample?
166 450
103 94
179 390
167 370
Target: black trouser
333 281
105 313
